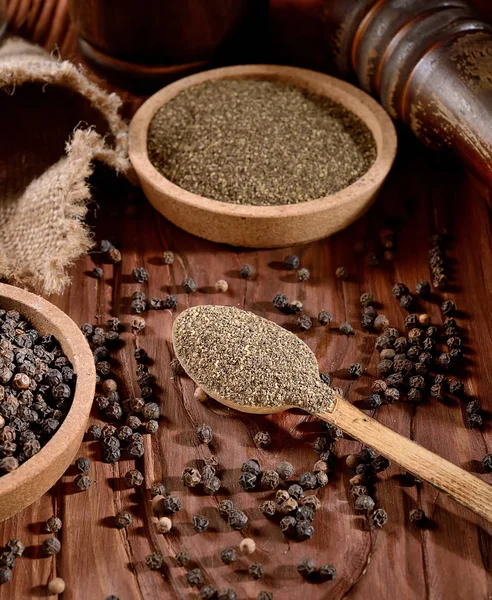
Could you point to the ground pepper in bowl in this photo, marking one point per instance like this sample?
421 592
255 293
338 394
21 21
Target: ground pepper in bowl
258 142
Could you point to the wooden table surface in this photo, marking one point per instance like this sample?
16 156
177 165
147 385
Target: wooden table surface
452 559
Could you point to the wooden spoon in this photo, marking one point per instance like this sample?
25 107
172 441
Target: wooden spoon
196 339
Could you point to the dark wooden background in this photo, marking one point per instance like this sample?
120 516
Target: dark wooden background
450 560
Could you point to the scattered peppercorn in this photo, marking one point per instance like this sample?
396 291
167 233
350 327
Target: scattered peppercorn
168 257
200 523
237 519
247 271
306 567
164 525
347 329
341 273
189 285
356 370
291 262
204 433
228 556
208 592
303 274
324 318
417 516
51 546
285 470
56 586
83 464
262 439
247 546
154 561
221 286
83 482
53 524
304 323
123 519
257 570
327 572
270 480
182 558
379 517
140 274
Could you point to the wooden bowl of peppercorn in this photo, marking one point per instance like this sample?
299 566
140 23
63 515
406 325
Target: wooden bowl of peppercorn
22 486
241 220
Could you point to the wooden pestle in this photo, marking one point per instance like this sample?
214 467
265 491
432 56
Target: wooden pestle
430 64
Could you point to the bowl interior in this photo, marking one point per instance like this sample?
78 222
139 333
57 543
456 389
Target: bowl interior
355 100
47 318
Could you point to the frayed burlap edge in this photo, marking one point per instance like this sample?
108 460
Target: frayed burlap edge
21 62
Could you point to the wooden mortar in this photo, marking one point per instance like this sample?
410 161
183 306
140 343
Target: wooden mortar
266 226
38 474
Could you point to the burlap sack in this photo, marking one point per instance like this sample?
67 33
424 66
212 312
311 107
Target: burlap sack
54 123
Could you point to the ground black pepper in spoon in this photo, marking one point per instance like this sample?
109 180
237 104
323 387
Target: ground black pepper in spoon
254 365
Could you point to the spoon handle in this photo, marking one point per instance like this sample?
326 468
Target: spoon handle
470 491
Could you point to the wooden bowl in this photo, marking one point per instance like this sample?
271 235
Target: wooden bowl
38 474
266 226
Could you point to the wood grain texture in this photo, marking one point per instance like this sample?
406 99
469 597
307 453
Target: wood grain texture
450 560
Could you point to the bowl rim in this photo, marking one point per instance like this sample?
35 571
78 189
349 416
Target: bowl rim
83 365
354 99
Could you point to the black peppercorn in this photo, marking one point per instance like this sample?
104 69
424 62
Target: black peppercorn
247 271
182 558
304 530
304 323
171 504
200 523
237 519
83 464
448 307
208 592
347 329
51 546
189 285
291 262
257 570
303 274
262 439
5 575
341 273
327 572
228 556
123 519
374 401
248 481
306 566
280 302
324 318
83 482
270 480
288 525
399 290
268 508
204 433
154 561
356 370
417 516
307 481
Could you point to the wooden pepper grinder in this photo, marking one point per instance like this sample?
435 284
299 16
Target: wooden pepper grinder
430 64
